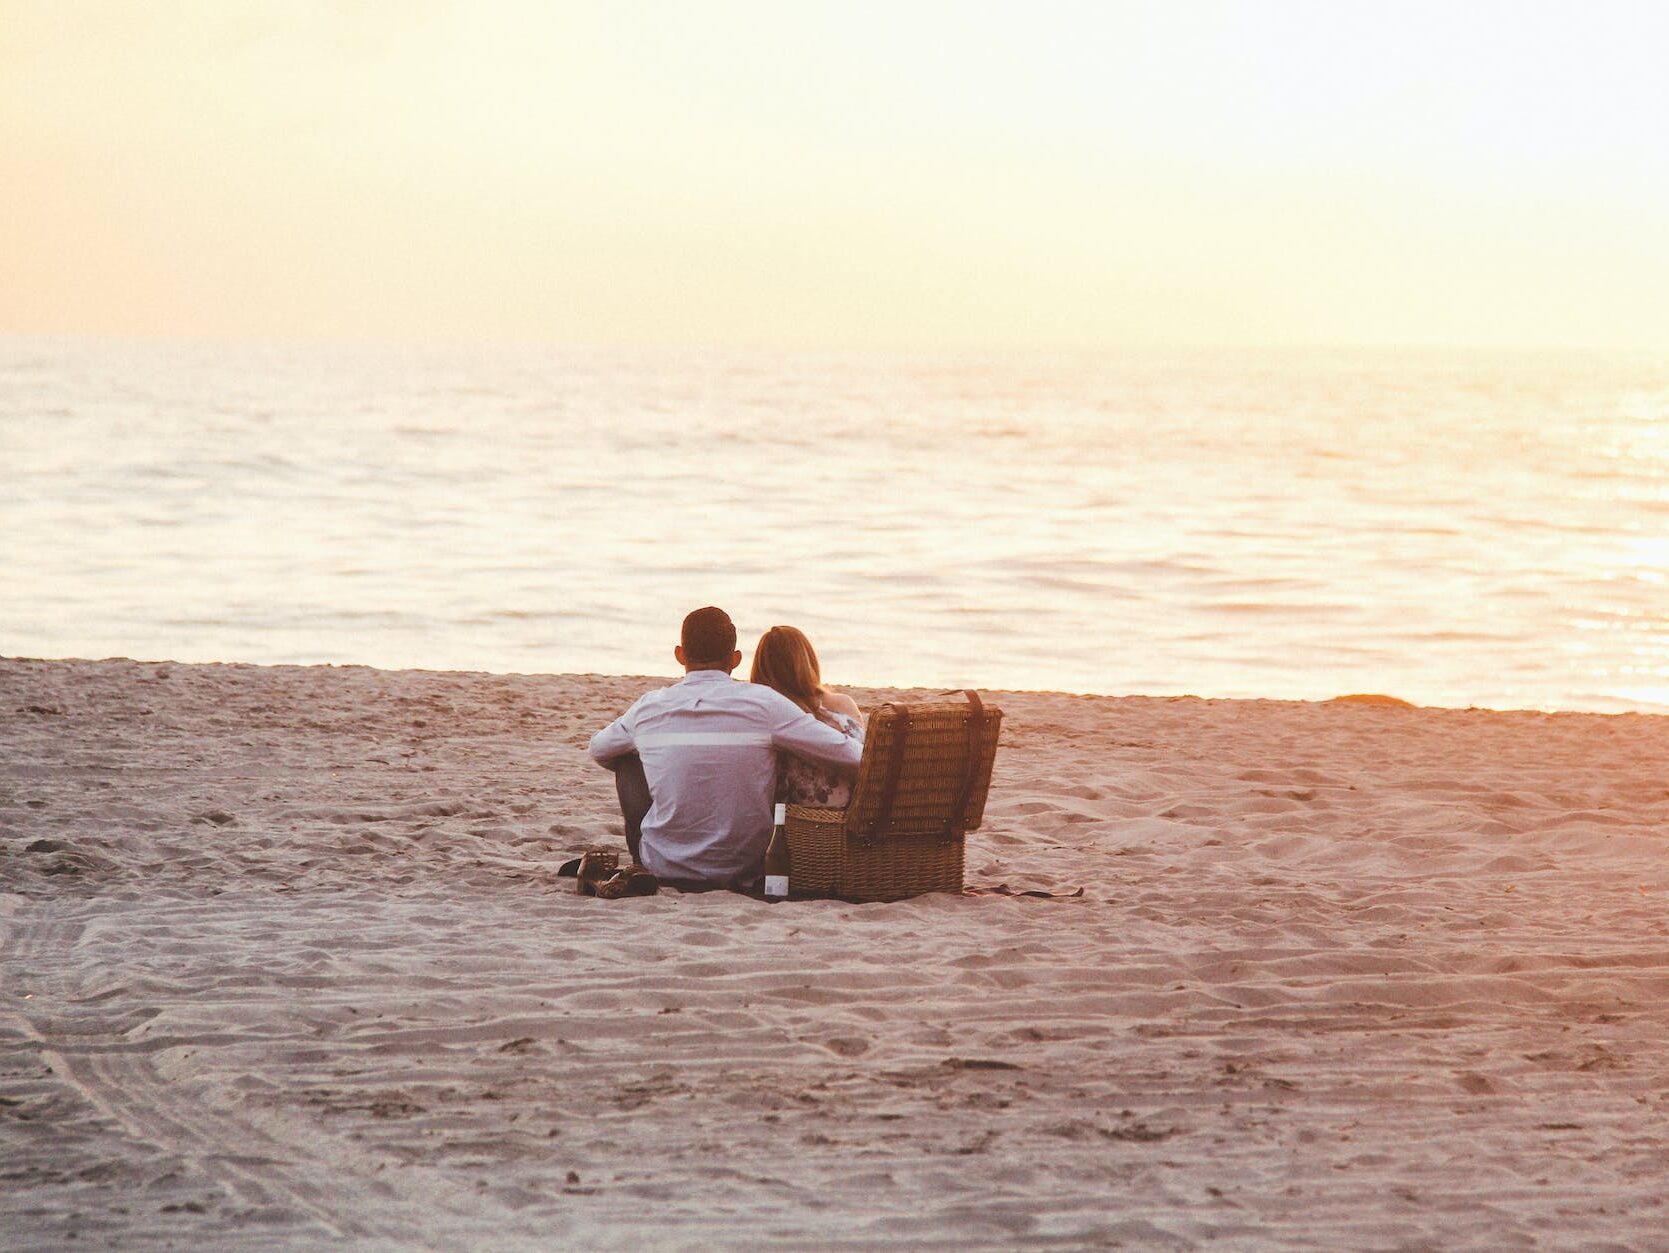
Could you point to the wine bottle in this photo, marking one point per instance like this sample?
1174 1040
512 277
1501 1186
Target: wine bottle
776 858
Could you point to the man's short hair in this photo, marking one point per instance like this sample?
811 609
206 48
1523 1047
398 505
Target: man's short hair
708 637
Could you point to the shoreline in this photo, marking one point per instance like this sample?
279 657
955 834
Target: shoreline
283 959
916 692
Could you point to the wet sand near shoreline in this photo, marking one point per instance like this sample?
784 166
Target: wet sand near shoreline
284 961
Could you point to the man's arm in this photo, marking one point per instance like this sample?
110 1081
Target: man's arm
796 731
613 741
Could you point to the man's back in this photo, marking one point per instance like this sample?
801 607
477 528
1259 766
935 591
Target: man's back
708 749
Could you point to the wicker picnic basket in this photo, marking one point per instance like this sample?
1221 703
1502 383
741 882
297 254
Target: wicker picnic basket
921 787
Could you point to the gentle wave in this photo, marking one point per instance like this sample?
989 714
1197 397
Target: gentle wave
1456 530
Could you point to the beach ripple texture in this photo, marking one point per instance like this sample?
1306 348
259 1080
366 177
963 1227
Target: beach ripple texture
1451 529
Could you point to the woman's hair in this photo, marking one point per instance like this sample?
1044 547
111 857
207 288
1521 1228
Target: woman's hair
786 661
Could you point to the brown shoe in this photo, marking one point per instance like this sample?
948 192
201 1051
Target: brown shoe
595 867
631 881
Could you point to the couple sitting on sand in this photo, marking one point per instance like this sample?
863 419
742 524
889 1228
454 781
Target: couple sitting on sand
696 765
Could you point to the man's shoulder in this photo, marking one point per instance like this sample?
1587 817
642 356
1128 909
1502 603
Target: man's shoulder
657 696
737 695
766 698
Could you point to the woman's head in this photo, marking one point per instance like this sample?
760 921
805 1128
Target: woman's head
786 661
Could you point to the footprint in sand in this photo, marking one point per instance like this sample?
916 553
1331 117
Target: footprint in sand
845 1045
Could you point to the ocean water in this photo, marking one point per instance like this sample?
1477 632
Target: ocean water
1451 529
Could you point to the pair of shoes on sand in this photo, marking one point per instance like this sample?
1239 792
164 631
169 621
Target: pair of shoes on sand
599 873
608 879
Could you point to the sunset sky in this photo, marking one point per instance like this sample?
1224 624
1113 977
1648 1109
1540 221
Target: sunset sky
1052 175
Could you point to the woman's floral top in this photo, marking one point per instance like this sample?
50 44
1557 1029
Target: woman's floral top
802 782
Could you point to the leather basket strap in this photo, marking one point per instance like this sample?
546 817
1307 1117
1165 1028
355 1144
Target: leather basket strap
956 823
895 764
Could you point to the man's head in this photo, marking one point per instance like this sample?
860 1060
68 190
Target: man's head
708 641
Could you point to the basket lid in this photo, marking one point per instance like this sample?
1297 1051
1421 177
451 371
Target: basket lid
926 768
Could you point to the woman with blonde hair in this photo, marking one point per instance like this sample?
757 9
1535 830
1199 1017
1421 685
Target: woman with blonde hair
785 660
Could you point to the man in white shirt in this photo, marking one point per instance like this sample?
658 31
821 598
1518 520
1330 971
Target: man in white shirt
698 808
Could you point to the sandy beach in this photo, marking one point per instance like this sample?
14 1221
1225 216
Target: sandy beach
284 963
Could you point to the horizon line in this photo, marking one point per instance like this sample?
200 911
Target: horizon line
854 347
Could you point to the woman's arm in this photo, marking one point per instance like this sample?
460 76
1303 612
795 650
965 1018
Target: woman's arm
841 703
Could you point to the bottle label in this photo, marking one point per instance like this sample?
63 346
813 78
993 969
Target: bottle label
776 885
